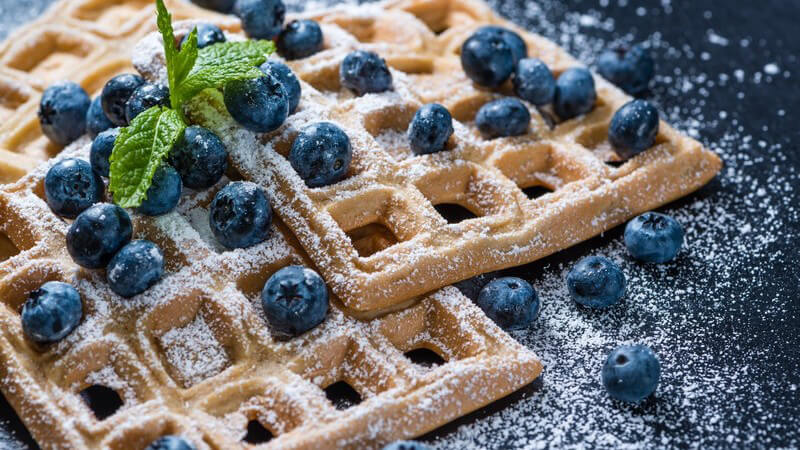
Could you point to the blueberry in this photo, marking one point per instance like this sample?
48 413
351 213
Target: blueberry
258 104
502 118
471 287
510 302
135 268
534 82
207 34
631 70
96 119
102 146
261 19
145 97
97 235
71 186
288 80
240 215
575 93
519 49
199 157
430 129
51 312
295 300
116 94
365 72
321 154
653 237
633 128
596 282
631 373
223 6
62 112
300 38
406 445
164 194
487 59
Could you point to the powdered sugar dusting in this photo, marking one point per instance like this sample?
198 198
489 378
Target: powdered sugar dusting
194 351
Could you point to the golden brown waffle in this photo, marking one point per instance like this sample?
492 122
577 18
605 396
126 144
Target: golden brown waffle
193 355
376 235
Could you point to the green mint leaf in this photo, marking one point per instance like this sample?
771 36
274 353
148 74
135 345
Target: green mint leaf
138 151
179 62
221 63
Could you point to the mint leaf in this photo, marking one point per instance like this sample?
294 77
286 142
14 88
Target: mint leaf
139 150
221 63
179 62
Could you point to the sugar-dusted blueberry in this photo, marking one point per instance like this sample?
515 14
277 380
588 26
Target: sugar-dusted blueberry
487 59
258 104
534 82
406 445
164 192
631 69
102 146
207 34
295 300
575 93
135 268
365 72
97 235
145 97
430 129
321 154
51 312
200 158
116 94
653 237
62 112
71 186
223 6
240 215
519 49
631 373
633 128
300 39
261 19
596 282
510 302
96 119
288 80
503 117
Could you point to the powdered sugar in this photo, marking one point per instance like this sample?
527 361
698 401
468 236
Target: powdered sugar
194 351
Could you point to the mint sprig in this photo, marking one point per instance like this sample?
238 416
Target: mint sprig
142 146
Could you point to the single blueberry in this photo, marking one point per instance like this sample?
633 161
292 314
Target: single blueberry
633 128
295 300
502 118
116 94
519 49
430 129
258 104
575 93
596 282
199 157
631 373
653 237
135 268
97 235
631 70
223 6
71 186
288 80
406 445
164 193
365 72
96 119
145 97
487 59
300 39
240 215
51 312
510 302
261 19
207 34
102 146
321 154
534 82
62 112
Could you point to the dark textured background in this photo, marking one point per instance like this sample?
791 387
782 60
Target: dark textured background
750 109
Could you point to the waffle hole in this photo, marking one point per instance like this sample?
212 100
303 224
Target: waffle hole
371 239
342 396
102 400
257 434
454 213
13 96
7 248
425 357
534 192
